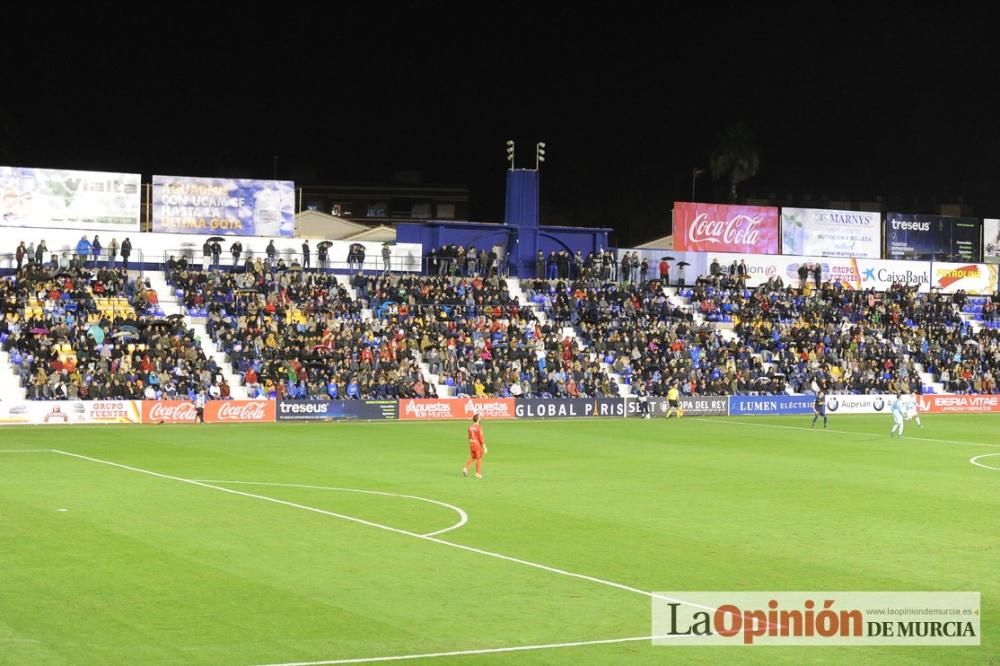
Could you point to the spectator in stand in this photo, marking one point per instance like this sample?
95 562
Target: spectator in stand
82 251
112 253
386 259
40 251
272 254
306 254
818 274
217 255
803 274
206 255
95 250
540 265
664 272
126 252
236 249
19 255
323 256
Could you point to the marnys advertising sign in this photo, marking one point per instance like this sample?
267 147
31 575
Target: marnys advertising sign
831 233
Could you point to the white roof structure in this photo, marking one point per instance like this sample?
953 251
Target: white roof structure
374 234
314 224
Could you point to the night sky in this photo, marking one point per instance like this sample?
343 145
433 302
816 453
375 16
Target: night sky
846 102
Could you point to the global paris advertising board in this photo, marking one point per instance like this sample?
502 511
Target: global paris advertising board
720 228
223 206
66 199
937 237
975 279
549 408
831 233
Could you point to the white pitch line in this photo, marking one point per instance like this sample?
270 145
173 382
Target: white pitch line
26 450
985 455
463 517
396 530
459 653
849 432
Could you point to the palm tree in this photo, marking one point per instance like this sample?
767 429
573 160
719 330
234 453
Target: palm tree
734 156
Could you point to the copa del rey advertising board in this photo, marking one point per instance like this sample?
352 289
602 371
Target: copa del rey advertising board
702 227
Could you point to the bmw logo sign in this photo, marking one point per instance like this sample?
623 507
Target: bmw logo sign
832 404
879 404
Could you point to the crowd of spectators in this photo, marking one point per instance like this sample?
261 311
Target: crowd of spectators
81 334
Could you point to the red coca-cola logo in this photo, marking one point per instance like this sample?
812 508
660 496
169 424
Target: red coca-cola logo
738 230
248 411
717 227
240 411
183 411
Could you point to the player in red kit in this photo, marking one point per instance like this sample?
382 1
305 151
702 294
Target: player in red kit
477 448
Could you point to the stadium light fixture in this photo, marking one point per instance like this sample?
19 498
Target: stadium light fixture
539 154
510 152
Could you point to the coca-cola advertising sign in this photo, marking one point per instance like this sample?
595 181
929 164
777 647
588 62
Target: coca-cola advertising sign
702 227
168 411
240 411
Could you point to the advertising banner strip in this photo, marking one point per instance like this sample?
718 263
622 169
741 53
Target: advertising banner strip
692 406
848 403
959 404
65 199
69 412
548 408
991 241
770 405
456 408
976 279
223 206
831 233
933 237
326 410
240 411
720 228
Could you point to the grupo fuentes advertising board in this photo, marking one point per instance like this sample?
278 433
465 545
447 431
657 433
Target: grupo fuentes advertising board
66 412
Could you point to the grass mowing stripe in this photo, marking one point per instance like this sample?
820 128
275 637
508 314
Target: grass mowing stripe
471 549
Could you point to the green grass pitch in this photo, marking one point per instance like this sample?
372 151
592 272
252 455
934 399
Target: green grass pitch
133 564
